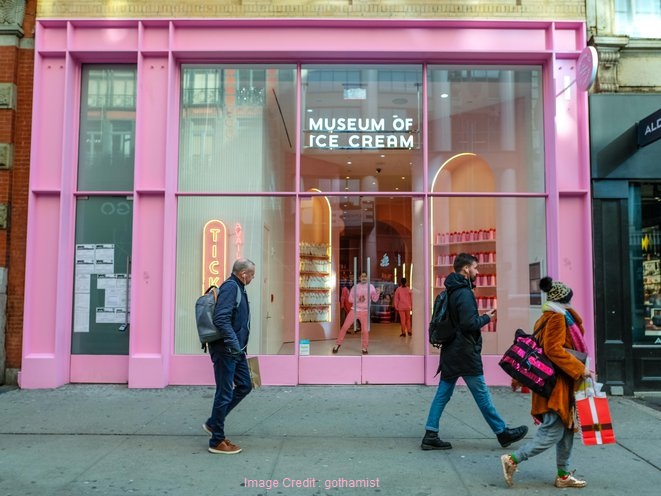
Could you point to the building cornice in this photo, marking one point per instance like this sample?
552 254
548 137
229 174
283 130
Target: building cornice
376 9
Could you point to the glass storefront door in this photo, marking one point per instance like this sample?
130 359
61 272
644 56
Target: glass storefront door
356 252
361 162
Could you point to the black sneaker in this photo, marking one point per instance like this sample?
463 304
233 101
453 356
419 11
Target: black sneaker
509 436
431 441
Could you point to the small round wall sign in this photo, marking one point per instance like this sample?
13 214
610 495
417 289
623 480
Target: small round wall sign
586 68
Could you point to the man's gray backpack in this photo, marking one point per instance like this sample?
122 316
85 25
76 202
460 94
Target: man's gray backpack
204 310
441 328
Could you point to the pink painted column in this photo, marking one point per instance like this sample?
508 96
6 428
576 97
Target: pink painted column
149 349
47 311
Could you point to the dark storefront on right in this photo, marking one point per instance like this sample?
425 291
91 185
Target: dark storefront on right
626 188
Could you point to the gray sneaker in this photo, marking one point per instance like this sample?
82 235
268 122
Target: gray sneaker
569 481
509 467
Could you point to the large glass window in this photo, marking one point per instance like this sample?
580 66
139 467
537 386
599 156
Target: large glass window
645 252
508 237
361 128
212 232
237 128
493 114
106 147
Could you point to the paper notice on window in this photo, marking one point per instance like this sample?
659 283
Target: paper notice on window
81 312
115 287
105 315
85 254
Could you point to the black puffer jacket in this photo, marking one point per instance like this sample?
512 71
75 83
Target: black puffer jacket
463 355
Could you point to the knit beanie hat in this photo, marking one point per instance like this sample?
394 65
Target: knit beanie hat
555 290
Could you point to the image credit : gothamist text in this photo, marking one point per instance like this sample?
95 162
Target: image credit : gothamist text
311 482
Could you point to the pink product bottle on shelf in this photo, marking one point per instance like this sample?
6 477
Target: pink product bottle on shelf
492 233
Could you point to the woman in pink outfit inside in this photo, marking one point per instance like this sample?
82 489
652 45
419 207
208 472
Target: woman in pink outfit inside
403 303
358 296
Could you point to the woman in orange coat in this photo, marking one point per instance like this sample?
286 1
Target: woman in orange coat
561 329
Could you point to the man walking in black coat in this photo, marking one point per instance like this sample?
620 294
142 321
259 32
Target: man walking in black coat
462 358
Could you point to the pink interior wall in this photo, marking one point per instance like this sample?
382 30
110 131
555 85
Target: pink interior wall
159 47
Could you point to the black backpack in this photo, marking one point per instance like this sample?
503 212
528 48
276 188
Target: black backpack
441 328
204 309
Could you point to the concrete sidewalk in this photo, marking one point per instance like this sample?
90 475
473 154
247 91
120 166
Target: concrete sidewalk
110 440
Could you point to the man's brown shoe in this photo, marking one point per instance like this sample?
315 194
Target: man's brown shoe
225 447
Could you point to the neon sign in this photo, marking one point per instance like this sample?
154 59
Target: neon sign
361 133
214 254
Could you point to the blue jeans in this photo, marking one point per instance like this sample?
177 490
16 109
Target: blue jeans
550 432
232 385
481 395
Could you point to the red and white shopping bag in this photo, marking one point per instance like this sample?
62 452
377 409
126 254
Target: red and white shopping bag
594 417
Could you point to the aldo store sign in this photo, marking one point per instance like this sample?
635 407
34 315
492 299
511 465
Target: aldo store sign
649 129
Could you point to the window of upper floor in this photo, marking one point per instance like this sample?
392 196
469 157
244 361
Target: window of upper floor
637 18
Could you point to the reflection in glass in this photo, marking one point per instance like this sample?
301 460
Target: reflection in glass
106 146
237 128
495 114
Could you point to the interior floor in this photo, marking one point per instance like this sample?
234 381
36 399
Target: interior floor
384 340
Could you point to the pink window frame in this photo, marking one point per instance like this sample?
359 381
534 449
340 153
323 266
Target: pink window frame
158 47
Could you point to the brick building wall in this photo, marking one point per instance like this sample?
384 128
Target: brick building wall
16 82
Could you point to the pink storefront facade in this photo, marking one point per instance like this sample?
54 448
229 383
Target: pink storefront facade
162 150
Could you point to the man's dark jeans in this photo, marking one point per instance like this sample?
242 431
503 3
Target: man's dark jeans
232 385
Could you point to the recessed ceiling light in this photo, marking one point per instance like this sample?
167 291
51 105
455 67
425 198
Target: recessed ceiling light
444 95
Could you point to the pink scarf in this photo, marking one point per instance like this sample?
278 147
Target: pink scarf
574 332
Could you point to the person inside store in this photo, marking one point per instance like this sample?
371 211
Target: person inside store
462 358
359 297
228 354
403 304
345 304
560 329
